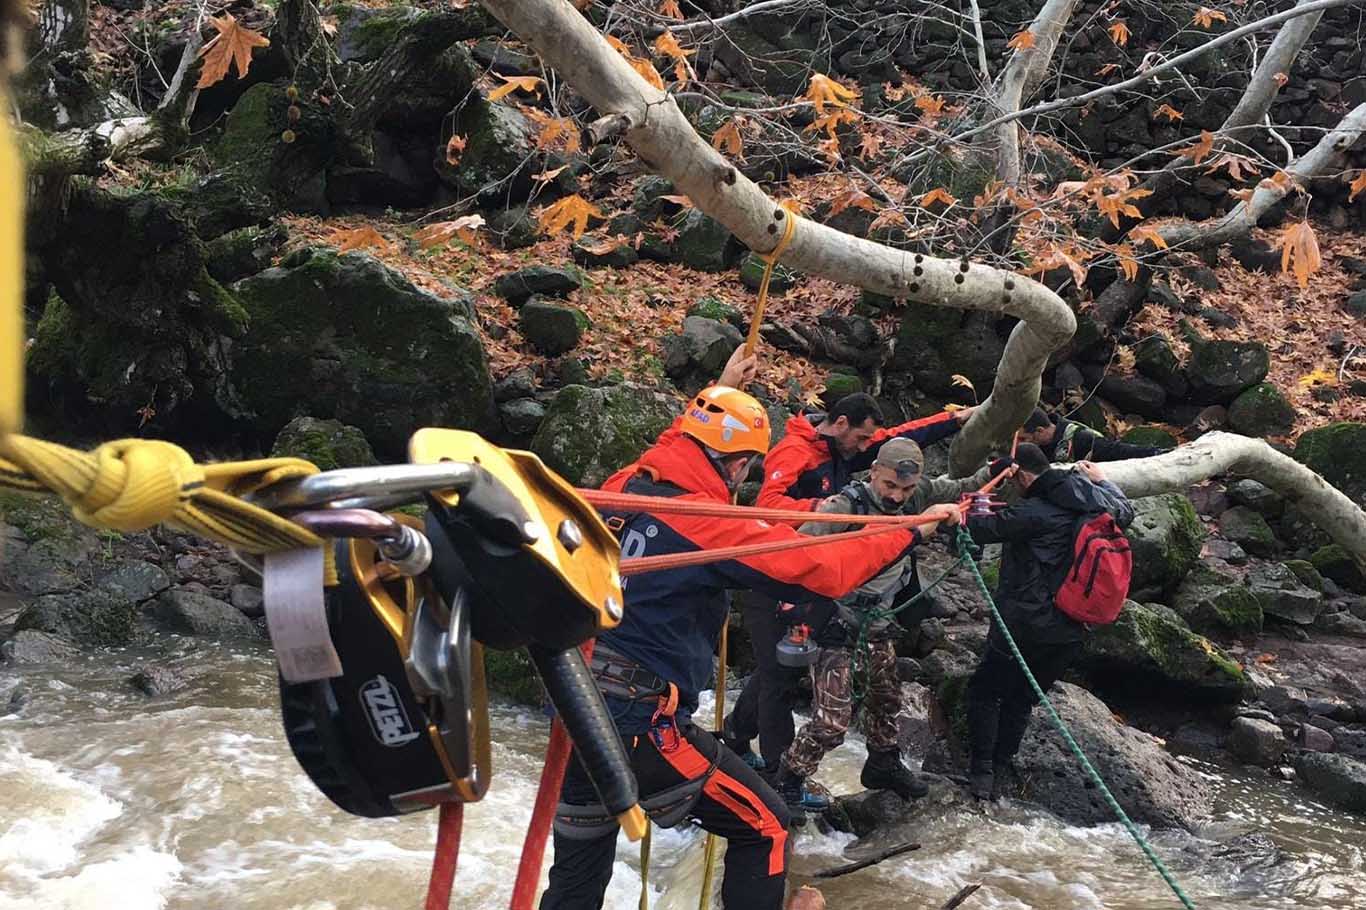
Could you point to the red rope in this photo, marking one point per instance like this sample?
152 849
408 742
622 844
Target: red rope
543 810
444 859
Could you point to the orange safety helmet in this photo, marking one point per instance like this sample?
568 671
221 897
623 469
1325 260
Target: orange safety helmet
727 421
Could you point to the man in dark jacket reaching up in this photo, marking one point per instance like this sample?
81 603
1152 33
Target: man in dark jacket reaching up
1038 534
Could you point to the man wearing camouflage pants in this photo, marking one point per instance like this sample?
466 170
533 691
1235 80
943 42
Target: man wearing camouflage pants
895 485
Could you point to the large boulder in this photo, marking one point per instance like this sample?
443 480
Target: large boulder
1144 651
697 354
136 337
934 343
32 647
329 444
1152 787
1334 562
776 51
552 328
1282 595
1249 530
260 147
589 433
500 154
1166 536
1135 395
1219 370
1155 359
1340 780
344 337
704 243
546 280
96 618
192 613
1212 602
1338 452
1255 741
1261 411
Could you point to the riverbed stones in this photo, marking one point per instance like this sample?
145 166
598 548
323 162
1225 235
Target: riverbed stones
1338 779
1211 601
1249 530
1282 595
1256 496
90 617
32 647
191 613
328 444
155 681
1334 562
1255 741
1144 651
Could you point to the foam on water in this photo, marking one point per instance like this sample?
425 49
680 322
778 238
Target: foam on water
48 814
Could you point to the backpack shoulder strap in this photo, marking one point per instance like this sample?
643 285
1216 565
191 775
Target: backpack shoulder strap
857 495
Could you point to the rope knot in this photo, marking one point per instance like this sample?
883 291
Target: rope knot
135 484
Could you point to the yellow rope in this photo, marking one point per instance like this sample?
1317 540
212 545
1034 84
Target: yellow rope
645 870
709 855
11 276
770 260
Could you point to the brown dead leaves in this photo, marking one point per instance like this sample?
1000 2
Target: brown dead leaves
1300 252
230 47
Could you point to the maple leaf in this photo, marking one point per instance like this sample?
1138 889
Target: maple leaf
1205 17
1318 377
1107 69
359 239
145 413
938 194
1021 41
1124 255
1234 164
814 400
230 47
515 83
678 200
962 381
831 121
870 145
1119 32
647 71
852 197
669 9
1300 252
930 104
1121 203
823 90
1200 150
729 140
830 148
1357 186
1171 113
570 210
547 176
441 232
454 146
668 45
888 218
1150 234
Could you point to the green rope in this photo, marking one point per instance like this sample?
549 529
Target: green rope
862 673
965 543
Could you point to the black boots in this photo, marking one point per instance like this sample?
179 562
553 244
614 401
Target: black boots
884 771
792 789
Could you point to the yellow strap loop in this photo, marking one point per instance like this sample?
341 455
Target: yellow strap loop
11 275
770 260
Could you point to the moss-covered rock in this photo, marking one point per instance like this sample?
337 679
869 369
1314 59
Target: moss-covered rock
1249 530
547 280
263 149
1166 536
511 674
934 343
135 320
552 328
1282 595
1212 602
94 618
500 154
1333 561
697 355
1155 358
1338 452
589 433
775 51
1219 370
608 254
1306 573
704 243
242 252
719 310
329 444
513 228
344 337
1144 651
1149 436
837 385
752 275
1261 411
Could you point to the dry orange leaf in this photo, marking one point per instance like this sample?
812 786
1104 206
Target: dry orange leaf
823 90
668 45
547 176
573 210
1171 113
870 145
1281 79
1121 203
515 83
669 9
231 46
728 139
1205 17
1107 69
454 146
852 197
1124 256
1357 186
930 104
676 199
437 234
360 238
1119 32
1150 234
938 194
1201 149
1300 252
831 121
647 71
1235 165
1021 41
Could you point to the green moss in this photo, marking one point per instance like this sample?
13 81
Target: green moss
589 433
39 517
1338 452
838 385
378 33
1308 575
712 308
1149 436
1166 537
511 674
991 573
952 696
1144 648
329 444
1261 411
1333 561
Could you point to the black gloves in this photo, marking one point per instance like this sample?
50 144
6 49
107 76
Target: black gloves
1000 464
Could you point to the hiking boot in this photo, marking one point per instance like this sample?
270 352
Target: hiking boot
792 789
813 801
739 746
1006 779
982 785
884 771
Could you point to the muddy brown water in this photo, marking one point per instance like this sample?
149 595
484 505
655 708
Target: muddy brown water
112 800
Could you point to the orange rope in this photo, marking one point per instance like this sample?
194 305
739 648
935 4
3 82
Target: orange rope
634 502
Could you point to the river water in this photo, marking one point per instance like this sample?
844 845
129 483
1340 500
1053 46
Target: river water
111 800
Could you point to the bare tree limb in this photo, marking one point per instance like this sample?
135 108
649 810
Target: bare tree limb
668 144
1222 453
1022 75
767 6
981 41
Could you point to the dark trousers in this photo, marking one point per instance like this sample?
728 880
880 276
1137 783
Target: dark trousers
735 804
1000 699
764 709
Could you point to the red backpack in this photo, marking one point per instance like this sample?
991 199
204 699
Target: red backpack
1098 581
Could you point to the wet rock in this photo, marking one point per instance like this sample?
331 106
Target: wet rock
1261 411
704 243
546 280
47 566
313 331
1256 742
242 252
248 599
1282 595
1249 530
589 433
1338 452
1338 779
1135 394
552 328
1219 370
1350 741
500 153
18 697
517 384
1166 536
752 275
97 618
134 580
1143 652
1225 550
1306 573
1149 436
30 646
1213 602
521 416
866 812
1341 623
1315 739
155 681
329 444
1334 562
1257 496
198 614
